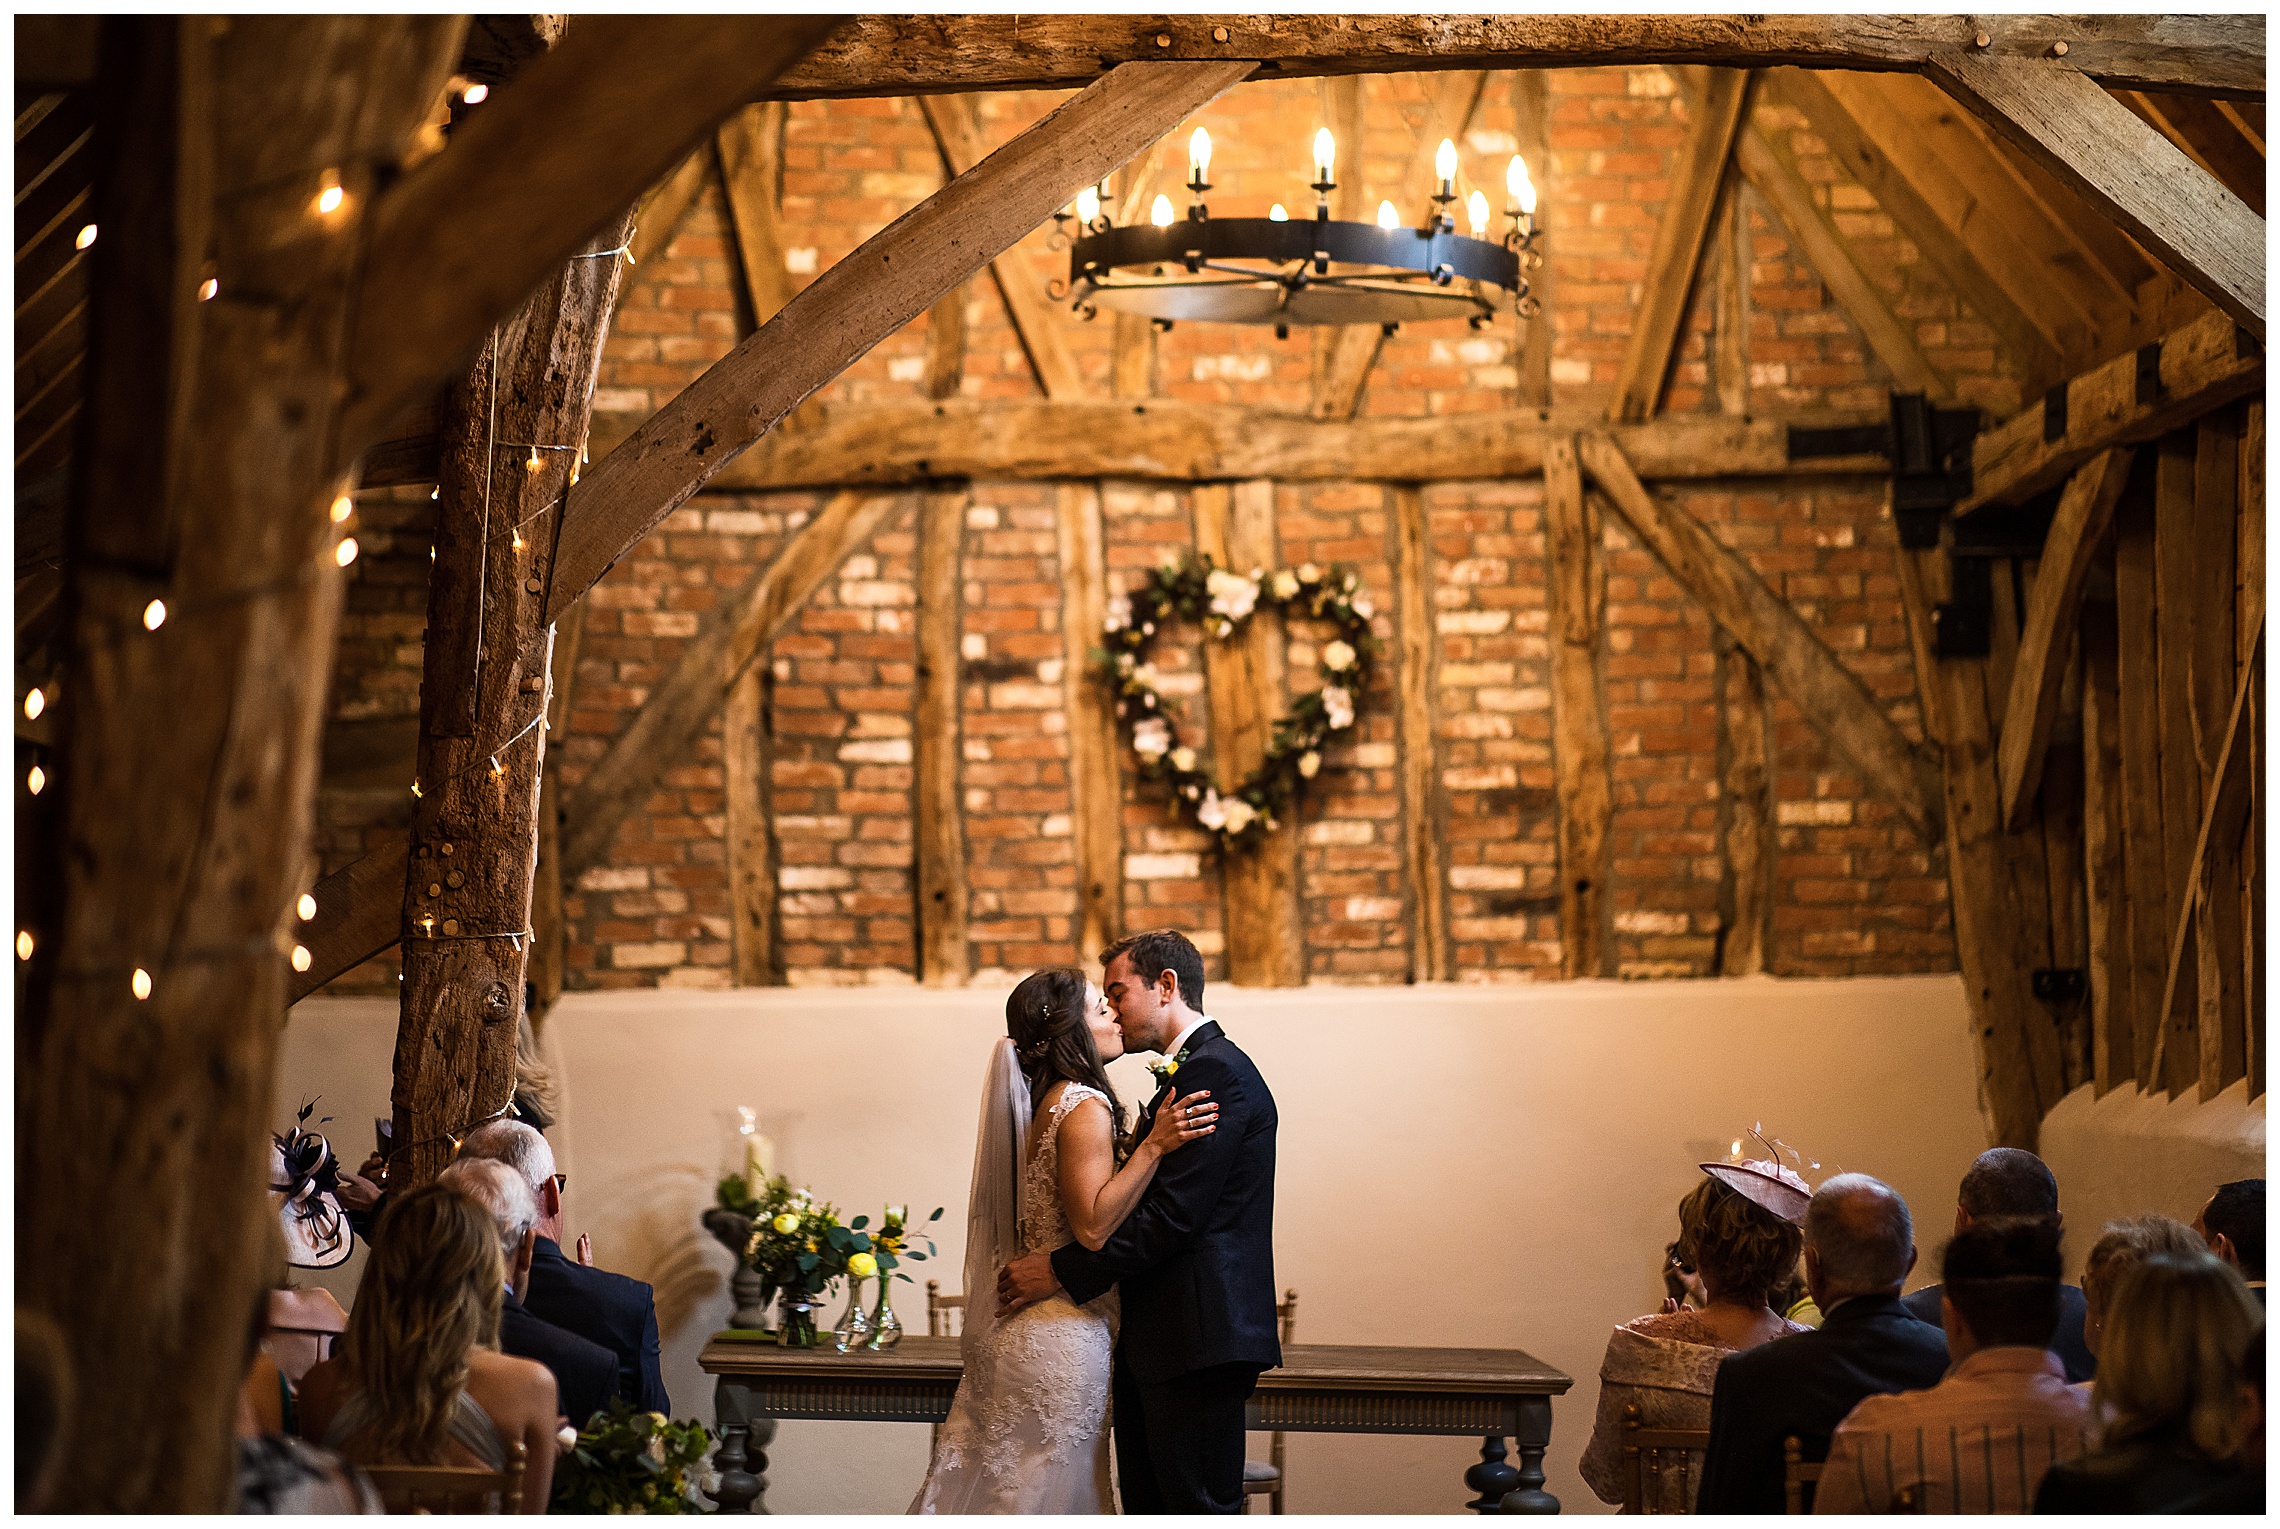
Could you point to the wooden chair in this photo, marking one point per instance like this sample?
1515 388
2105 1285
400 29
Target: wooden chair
1644 1452
451 1488
939 1310
1797 1473
1264 1478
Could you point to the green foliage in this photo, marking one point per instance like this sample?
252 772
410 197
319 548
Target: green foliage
628 1461
798 1244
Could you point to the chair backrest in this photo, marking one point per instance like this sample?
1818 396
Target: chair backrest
1649 1454
303 1325
1286 1315
451 1488
1797 1473
945 1314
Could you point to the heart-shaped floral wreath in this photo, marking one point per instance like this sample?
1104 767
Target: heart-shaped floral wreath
1221 601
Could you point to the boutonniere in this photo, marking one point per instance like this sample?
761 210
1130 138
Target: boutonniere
1165 1070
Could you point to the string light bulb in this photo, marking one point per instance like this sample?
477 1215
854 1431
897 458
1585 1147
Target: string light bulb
207 289
1278 214
1522 188
518 534
23 944
307 906
345 553
1445 165
476 95
415 789
342 508
1088 206
1476 209
35 702
36 782
86 237
1325 154
497 769
154 615
1387 217
139 984
300 958
533 464
1161 213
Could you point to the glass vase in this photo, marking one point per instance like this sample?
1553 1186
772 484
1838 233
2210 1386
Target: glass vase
853 1330
886 1327
796 1318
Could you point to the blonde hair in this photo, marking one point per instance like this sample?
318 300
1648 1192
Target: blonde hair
2174 1355
1745 1252
2122 1245
430 1295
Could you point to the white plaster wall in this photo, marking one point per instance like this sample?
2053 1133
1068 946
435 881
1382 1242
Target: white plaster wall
2130 1153
1459 1165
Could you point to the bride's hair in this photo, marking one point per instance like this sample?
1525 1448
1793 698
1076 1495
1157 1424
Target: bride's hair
1045 1017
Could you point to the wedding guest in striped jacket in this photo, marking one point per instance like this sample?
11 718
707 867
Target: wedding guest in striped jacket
1982 1439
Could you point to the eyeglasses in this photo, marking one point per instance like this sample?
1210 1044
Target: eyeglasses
561 1182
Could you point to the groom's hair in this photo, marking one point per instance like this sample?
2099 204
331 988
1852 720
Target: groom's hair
1156 951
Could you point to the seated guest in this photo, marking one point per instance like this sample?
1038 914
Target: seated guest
2003 1181
1665 1364
2175 1396
585 1373
2120 1247
2232 1224
1859 1248
277 1472
618 1313
1980 1440
418 1379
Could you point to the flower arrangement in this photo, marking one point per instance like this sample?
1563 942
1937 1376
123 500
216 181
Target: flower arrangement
1220 601
802 1247
626 1461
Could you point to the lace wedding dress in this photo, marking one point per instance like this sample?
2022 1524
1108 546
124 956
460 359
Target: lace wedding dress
1028 1430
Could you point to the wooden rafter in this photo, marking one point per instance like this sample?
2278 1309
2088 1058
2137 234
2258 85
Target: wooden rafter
1770 629
881 286
2046 642
1718 98
750 148
2210 136
657 216
912 55
531 176
2062 120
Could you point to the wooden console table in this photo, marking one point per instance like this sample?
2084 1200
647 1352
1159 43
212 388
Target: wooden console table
1487 1394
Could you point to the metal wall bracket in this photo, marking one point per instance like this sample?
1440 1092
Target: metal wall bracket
1930 452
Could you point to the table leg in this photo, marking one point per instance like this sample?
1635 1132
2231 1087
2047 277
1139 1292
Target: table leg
1492 1478
1532 1437
743 1471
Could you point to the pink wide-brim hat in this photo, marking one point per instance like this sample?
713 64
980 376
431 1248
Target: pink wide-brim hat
1767 1185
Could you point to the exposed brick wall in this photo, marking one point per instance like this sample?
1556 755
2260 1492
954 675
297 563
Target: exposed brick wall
1856 890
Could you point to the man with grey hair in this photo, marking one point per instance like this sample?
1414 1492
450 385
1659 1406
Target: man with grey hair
1859 1247
585 1373
618 1313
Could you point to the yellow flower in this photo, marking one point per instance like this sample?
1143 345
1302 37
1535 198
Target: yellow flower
862 1266
787 1223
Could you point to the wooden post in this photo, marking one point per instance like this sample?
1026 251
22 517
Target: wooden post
943 959
513 430
2064 880
751 149
744 750
1344 109
2138 713
1531 129
187 748
2104 864
1096 785
946 342
1236 529
1420 729
2175 611
549 954
1576 577
1730 312
1747 843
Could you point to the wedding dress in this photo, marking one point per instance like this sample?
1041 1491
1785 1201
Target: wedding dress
1028 1429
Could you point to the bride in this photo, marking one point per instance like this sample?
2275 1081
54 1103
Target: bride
1028 1430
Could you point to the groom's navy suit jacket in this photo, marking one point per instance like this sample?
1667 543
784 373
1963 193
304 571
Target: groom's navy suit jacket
1196 1259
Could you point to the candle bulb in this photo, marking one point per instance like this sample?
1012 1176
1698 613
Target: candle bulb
1278 214
1523 189
1088 207
1476 209
1161 213
1325 155
1199 159
1387 217
1445 166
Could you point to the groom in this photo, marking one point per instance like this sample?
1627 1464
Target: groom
1195 1259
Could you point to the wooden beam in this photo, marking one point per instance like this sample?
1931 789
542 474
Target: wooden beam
1577 577
751 839
1353 355
1038 322
2216 546
1990 270
1531 130
946 342
2145 869
1730 302
530 177
938 808
2061 119
1747 844
2077 535
2200 367
908 444
2105 879
1235 527
750 144
1132 355
2065 903
1830 695
657 217
907 55
678 709
2248 566
1344 107
549 940
1419 728
1831 257
2210 137
2182 773
360 909
885 283
1717 101
1096 785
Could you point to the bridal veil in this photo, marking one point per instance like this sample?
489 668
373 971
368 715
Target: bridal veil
993 1204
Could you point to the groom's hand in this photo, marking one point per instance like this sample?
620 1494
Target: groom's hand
1026 1281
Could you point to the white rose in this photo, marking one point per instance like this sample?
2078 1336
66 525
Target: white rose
1338 706
1338 657
1211 812
1183 759
1239 814
1119 614
1286 585
1151 737
1232 595
1308 573
1308 764
1362 607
